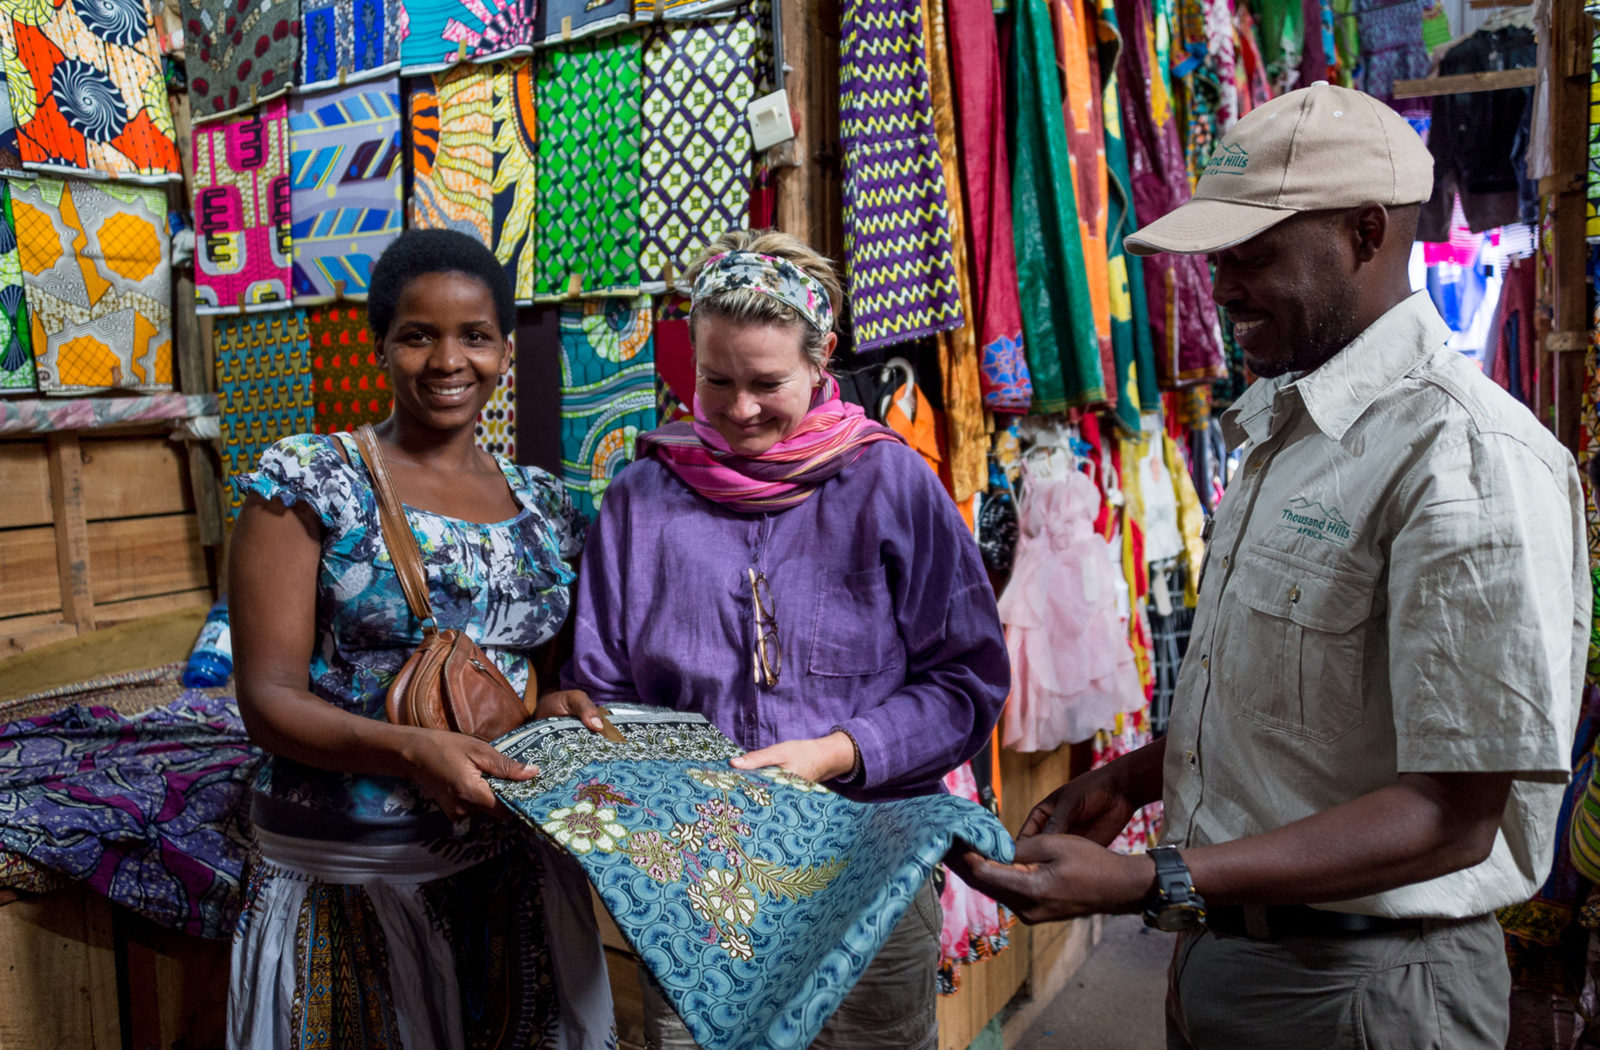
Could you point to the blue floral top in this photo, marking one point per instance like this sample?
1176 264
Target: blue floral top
505 584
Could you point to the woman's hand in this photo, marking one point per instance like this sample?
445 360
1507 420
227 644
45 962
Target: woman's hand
450 767
818 759
570 703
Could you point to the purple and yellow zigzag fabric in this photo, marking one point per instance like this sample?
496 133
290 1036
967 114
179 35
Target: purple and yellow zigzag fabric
902 279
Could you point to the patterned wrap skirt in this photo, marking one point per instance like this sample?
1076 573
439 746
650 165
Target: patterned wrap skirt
397 946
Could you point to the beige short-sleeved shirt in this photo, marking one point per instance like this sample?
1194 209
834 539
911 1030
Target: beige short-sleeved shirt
1396 581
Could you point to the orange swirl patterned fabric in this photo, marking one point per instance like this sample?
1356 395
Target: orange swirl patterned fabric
87 90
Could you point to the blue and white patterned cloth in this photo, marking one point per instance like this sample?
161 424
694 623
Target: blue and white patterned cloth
504 583
756 899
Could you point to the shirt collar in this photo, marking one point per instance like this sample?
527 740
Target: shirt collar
1337 393
1341 390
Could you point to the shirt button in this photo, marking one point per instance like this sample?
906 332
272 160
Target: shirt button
1226 561
1189 756
1294 593
1205 662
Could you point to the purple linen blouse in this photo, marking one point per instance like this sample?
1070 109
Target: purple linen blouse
885 617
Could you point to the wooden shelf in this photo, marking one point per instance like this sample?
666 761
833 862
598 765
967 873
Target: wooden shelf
1466 83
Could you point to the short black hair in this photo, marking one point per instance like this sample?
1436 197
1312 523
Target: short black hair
416 253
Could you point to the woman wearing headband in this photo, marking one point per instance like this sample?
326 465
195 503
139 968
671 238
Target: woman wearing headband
795 573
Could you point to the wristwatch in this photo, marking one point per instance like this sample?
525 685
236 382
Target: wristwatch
1173 906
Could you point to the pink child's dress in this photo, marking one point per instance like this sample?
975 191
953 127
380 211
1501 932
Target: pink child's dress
1072 670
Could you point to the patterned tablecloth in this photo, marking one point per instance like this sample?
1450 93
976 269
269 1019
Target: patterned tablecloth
756 899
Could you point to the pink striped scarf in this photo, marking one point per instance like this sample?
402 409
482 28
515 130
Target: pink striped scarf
832 435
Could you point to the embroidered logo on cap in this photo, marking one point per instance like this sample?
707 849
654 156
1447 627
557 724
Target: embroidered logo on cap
1229 160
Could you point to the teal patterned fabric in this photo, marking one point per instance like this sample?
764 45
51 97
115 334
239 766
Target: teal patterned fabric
608 393
756 899
504 583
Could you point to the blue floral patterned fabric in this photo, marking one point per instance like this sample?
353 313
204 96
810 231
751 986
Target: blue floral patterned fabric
505 584
756 899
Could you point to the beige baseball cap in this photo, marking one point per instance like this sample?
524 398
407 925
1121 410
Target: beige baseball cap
1318 148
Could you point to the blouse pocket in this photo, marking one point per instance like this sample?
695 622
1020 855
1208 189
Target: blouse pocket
854 630
1298 653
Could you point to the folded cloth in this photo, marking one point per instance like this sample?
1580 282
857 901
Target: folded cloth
149 811
755 899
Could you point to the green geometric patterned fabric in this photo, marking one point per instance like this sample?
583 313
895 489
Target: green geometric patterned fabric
587 231
16 340
699 78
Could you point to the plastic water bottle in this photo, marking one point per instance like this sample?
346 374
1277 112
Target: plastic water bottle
211 662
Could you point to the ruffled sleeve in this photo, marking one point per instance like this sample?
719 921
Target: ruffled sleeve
554 504
308 469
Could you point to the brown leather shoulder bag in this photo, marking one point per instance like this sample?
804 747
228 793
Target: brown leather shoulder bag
448 683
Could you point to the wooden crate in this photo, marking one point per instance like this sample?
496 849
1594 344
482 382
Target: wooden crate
96 529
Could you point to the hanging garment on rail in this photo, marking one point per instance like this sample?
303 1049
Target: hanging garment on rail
16 340
986 191
264 388
1184 328
348 40
349 388
698 156
1057 314
966 434
241 212
589 148
441 34
608 392
87 93
101 312
897 247
473 164
238 55
344 187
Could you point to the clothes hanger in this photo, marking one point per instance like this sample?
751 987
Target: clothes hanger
907 402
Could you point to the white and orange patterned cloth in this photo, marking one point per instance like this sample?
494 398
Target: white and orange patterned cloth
98 272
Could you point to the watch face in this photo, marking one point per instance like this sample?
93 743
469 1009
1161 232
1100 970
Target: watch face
1176 918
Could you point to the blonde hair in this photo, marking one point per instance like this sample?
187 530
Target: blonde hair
747 306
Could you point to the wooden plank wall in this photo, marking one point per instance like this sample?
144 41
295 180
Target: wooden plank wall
96 529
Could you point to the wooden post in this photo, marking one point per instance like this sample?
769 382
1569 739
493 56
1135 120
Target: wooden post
72 528
807 167
194 377
1569 114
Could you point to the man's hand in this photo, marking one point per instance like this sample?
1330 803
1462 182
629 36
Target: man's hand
818 759
570 703
1093 806
1059 877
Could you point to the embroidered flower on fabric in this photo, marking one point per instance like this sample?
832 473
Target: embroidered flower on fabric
723 825
691 837
736 944
790 780
717 779
584 828
661 859
720 895
601 794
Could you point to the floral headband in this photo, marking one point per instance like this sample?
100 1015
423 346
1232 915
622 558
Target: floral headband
771 276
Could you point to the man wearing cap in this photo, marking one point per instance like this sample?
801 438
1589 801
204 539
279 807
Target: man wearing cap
1370 736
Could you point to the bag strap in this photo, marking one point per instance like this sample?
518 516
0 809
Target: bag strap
397 534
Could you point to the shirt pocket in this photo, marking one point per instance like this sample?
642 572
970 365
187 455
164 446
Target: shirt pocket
853 633
1298 649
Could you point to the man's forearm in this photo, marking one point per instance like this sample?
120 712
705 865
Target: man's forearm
1416 829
